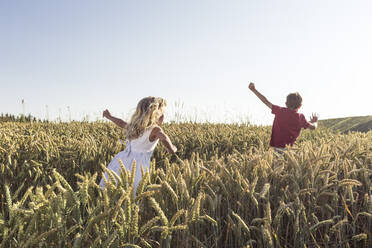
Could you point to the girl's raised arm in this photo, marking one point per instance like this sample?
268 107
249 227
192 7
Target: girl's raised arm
115 120
158 133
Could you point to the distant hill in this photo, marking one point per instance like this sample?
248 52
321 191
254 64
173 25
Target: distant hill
358 123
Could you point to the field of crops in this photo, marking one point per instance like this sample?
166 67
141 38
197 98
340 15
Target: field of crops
225 188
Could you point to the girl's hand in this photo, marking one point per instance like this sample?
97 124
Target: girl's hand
106 114
314 118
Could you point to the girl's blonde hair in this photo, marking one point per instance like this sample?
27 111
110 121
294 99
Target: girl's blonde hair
148 112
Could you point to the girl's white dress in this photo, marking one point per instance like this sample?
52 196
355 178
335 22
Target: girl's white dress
139 150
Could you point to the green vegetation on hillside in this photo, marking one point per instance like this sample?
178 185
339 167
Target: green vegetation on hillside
359 123
20 118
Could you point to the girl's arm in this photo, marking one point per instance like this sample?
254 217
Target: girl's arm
260 96
115 120
158 133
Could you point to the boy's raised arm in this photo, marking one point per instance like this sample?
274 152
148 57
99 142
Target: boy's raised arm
260 96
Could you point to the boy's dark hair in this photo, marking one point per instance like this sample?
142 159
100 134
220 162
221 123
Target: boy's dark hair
294 100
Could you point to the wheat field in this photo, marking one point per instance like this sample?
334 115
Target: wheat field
225 188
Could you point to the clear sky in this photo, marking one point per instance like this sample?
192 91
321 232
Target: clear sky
91 55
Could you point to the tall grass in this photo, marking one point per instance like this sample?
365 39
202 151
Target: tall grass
225 188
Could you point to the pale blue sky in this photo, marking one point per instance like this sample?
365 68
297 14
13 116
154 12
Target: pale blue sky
91 55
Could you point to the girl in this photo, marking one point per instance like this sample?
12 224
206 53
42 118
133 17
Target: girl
143 134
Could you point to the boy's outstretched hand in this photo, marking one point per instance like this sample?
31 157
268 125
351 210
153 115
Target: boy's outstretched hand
251 86
314 118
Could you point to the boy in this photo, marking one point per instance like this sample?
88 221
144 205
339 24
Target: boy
287 122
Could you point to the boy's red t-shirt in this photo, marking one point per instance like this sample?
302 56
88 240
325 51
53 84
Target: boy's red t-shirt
286 127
